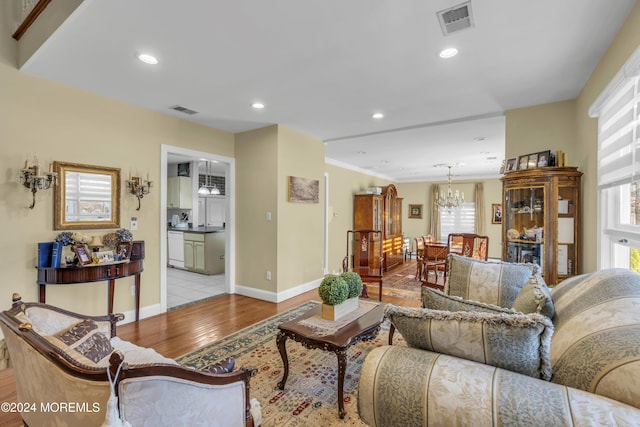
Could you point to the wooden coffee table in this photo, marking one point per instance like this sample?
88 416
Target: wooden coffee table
364 328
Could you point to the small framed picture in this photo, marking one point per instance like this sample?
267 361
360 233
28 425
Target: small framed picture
544 159
83 254
523 161
533 161
123 251
415 211
512 164
496 213
103 257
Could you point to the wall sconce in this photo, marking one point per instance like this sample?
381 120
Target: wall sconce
139 187
33 178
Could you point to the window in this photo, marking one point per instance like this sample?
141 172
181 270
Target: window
459 220
618 112
88 197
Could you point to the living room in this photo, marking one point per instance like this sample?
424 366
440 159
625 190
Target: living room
64 123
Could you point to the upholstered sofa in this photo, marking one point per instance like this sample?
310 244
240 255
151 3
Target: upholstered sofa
63 363
591 348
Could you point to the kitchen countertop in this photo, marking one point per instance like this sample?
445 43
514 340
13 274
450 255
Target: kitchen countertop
197 229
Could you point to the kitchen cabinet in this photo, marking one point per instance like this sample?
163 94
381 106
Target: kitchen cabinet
380 212
204 252
179 192
541 220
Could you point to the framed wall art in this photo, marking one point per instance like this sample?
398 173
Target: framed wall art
415 211
496 213
303 190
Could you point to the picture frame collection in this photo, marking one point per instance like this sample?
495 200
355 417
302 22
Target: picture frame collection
540 159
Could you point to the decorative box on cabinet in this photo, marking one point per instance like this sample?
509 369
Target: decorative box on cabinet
541 220
380 212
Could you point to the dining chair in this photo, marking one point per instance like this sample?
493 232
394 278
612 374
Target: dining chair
435 259
419 257
469 245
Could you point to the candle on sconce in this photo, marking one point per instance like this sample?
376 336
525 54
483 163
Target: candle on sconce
50 167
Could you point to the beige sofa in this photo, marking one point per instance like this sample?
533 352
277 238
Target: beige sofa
62 382
595 369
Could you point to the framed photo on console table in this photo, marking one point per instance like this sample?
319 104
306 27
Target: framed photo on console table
123 251
83 254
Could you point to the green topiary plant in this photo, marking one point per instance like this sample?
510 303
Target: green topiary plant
333 290
354 281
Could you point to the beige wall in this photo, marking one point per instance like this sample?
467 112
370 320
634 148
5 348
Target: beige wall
542 127
624 44
67 124
257 190
300 225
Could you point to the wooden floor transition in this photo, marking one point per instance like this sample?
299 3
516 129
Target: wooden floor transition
184 330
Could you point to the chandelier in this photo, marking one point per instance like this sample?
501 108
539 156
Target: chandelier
450 200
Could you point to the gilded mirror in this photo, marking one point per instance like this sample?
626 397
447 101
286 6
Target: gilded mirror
86 197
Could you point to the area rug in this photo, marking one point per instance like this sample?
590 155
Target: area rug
310 395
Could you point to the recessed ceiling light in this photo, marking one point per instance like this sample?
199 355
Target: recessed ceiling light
449 52
148 59
377 115
258 105
361 152
480 138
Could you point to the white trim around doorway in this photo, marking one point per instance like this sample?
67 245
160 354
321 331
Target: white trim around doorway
230 232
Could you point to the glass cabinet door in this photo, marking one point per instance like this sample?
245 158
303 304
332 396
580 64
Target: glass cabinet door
566 232
525 226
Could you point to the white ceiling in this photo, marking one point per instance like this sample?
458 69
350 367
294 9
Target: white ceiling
323 67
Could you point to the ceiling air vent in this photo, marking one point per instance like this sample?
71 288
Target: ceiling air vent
456 18
184 110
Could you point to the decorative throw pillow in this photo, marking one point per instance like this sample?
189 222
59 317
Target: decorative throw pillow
437 300
535 297
517 342
223 367
85 338
497 283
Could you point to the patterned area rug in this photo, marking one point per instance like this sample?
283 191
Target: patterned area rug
310 395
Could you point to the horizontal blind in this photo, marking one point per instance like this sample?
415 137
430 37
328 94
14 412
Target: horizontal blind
459 220
618 137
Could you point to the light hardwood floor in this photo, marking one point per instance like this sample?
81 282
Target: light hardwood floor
184 330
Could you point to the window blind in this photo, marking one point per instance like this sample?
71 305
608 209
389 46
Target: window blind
460 220
619 137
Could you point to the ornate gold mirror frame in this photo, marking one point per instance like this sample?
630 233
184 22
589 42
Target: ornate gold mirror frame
86 197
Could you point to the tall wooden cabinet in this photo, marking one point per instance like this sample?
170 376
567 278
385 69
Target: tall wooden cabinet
380 212
541 220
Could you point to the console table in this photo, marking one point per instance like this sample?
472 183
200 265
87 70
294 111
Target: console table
95 273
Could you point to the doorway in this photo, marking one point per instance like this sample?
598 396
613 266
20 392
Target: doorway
179 283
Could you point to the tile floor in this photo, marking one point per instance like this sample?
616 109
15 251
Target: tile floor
184 287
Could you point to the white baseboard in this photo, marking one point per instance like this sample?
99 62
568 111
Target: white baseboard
148 311
279 296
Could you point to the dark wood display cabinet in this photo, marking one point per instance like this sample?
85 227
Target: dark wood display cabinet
380 212
541 220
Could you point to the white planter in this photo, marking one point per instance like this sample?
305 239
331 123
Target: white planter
334 312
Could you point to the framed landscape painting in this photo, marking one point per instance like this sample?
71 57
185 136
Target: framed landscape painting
303 190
